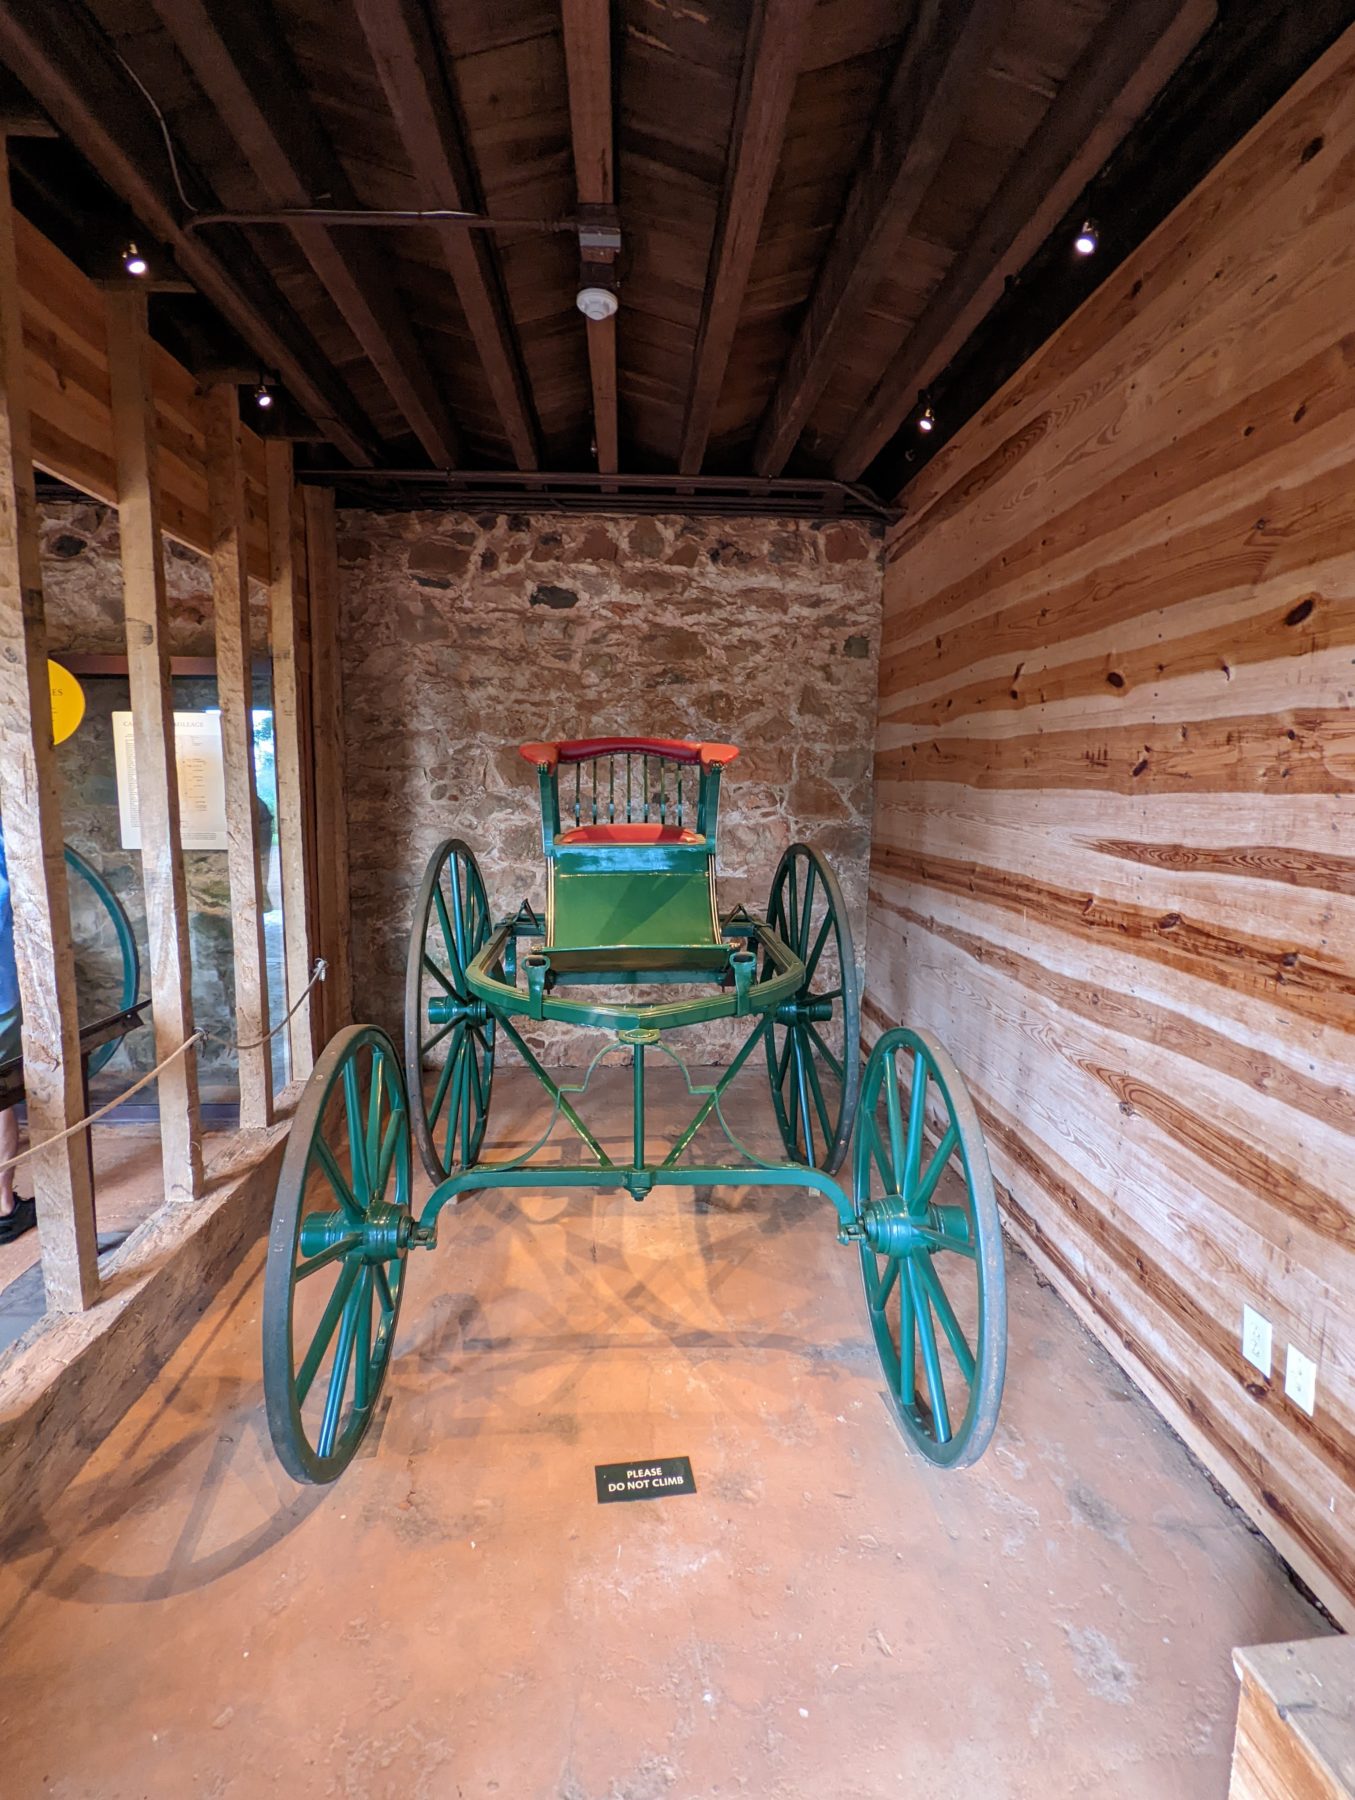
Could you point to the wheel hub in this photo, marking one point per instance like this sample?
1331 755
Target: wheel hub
804 1012
446 1009
889 1228
384 1233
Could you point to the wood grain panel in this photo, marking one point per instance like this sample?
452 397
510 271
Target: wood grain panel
67 364
1113 861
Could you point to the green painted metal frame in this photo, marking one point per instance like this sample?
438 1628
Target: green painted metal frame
640 1175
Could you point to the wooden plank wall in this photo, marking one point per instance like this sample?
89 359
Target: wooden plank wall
1114 860
67 351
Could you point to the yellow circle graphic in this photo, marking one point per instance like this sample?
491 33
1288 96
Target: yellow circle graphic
68 702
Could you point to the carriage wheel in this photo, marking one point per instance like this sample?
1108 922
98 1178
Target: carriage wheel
814 1044
931 1254
124 989
446 1028
336 1255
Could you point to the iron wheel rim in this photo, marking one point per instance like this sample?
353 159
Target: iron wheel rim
130 991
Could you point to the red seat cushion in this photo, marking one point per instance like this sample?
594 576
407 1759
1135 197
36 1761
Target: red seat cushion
629 834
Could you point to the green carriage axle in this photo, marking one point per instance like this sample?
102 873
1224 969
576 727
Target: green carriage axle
631 942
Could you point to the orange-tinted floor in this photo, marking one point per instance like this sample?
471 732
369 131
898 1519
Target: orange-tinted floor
459 1618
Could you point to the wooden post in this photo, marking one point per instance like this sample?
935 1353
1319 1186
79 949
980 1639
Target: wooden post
146 616
286 626
331 797
234 686
31 809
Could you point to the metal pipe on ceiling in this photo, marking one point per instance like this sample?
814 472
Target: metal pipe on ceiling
383 218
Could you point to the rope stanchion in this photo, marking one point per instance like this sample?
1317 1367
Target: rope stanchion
318 974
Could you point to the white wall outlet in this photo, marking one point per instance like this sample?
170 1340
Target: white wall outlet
1300 1380
1256 1339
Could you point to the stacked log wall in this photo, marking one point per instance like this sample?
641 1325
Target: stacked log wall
1114 843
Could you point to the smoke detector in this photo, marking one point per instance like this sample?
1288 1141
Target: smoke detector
596 302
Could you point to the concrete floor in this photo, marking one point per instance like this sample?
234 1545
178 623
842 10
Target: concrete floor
458 1617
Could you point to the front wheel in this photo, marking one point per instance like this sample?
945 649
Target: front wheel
335 1274
931 1249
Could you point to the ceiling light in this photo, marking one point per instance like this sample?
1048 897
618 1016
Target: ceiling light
596 303
928 420
133 261
1086 240
262 397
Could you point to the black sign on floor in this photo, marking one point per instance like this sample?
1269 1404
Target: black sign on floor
653 1479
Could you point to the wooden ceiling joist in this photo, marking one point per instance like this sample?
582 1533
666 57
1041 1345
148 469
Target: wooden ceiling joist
771 62
64 61
410 68
241 63
588 67
1127 63
947 49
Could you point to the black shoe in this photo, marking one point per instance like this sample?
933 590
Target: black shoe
23 1218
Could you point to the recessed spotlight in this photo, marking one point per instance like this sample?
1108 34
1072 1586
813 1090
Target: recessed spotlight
262 397
1086 240
596 303
928 420
134 262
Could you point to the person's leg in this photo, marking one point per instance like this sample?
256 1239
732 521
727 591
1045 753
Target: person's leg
9 1146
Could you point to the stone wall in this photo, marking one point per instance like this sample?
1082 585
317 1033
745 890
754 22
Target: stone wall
465 635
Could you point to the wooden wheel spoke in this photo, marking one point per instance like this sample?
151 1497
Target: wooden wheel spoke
944 1311
375 1106
907 1344
324 1331
458 912
437 1037
331 1253
449 935
920 1198
884 1288
931 1356
806 913
438 975
334 1175
783 1061
338 1379
357 1142
440 1091
362 1372
802 1093
454 1110
390 1143
894 1117
813 961
881 1156
820 1106
383 1290
917 1118
825 1052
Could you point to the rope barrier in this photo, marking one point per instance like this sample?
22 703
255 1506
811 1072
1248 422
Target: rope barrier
318 974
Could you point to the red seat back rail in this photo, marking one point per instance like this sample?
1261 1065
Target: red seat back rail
679 750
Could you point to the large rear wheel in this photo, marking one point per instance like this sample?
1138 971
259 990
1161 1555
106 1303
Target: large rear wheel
335 1273
814 1044
449 1034
931 1252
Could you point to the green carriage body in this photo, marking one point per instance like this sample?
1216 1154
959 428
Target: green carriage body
631 941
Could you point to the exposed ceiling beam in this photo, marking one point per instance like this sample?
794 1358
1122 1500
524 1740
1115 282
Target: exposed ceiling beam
771 63
947 49
242 65
588 68
1130 60
410 67
65 63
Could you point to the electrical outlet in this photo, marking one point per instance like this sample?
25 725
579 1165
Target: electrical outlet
1300 1380
1256 1339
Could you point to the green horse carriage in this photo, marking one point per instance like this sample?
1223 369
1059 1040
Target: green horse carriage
633 943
